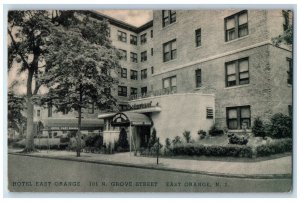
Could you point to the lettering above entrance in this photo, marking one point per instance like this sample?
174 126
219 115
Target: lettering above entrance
120 119
130 118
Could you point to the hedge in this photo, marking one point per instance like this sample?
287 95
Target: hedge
196 149
278 146
193 149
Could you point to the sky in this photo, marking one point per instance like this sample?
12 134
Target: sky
133 17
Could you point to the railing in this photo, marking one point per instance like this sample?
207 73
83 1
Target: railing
165 91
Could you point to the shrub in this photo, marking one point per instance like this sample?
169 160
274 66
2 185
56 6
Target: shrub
176 140
152 139
280 126
187 136
214 131
258 128
167 146
275 147
202 134
237 139
123 141
212 150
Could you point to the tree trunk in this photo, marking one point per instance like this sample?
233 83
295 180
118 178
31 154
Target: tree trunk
29 129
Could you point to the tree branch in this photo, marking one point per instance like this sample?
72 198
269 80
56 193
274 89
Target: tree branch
17 49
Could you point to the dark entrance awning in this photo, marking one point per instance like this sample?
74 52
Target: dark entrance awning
130 118
71 124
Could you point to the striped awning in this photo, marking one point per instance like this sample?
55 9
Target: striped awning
71 124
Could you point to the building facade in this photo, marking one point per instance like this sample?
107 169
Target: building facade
191 69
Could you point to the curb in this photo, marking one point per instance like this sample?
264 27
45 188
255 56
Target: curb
152 167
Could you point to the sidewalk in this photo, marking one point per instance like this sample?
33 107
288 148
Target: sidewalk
274 168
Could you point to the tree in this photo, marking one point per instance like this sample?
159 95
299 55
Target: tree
258 128
15 107
27 31
287 35
80 60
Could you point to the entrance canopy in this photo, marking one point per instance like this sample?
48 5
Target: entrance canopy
130 118
71 124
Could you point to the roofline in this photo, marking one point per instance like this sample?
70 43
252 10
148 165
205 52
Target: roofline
119 23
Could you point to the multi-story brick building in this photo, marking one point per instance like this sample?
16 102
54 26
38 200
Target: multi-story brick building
188 70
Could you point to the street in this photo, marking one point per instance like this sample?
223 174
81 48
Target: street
27 174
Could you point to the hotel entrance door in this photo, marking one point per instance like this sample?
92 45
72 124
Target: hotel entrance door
144 135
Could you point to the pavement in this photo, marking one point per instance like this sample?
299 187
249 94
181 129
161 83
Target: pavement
273 168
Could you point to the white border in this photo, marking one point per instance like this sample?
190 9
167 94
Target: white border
132 4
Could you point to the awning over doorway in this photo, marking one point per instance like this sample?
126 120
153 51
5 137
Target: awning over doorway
71 124
130 118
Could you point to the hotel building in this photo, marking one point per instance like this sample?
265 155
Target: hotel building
191 69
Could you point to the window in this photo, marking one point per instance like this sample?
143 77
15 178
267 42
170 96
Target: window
133 91
122 91
144 74
38 113
290 71
238 116
133 39
151 33
198 78
168 17
152 70
169 50
123 107
49 110
170 83
143 56
198 37
144 90
124 73
123 54
143 38
91 108
151 51
122 36
133 75
133 57
209 113
237 72
236 26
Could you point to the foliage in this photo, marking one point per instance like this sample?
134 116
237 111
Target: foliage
28 32
275 147
187 136
202 134
215 131
191 149
152 139
94 141
258 128
287 35
176 141
237 139
15 108
168 143
122 141
280 126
